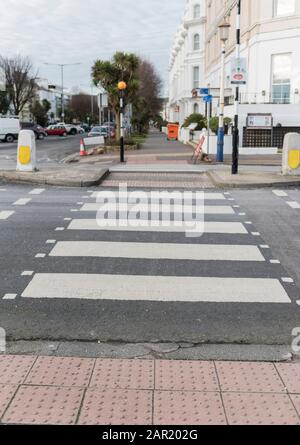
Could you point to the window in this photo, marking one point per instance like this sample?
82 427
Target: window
196 109
281 78
197 11
196 74
284 7
196 42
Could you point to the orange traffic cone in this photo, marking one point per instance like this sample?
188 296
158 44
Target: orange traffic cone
83 151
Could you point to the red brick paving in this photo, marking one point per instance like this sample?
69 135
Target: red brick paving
66 391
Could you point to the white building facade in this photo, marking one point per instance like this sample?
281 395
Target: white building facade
270 34
187 62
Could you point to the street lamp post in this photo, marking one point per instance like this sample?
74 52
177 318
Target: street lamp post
235 140
224 36
122 87
62 66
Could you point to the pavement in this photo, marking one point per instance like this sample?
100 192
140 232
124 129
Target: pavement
37 390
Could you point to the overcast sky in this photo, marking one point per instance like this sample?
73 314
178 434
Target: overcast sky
67 31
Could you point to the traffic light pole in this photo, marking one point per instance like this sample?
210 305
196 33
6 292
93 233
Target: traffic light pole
235 140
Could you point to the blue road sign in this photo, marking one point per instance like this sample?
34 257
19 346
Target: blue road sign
204 91
208 98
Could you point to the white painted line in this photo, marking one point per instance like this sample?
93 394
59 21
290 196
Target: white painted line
37 191
298 302
208 210
59 229
236 207
80 203
145 226
3 190
264 246
74 210
22 202
242 214
51 241
249 223
255 233
120 195
231 199
5 214
275 262
194 252
41 255
156 288
67 219
10 296
294 205
287 280
27 273
280 193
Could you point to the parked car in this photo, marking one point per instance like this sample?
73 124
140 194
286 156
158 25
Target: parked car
72 129
40 132
111 131
57 130
99 131
10 128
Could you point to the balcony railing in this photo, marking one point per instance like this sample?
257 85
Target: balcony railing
265 98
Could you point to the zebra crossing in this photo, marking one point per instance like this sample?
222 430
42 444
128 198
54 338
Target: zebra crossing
227 264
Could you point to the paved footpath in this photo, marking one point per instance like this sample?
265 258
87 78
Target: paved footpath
67 391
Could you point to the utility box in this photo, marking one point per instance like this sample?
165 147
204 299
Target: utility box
291 154
173 132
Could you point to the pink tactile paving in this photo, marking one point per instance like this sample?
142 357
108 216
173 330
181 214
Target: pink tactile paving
185 376
59 371
6 394
290 374
259 409
249 377
116 407
296 401
44 405
14 368
188 408
123 374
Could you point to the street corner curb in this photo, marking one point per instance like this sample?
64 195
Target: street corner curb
248 184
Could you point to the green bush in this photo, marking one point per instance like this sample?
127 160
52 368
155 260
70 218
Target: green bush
214 123
195 118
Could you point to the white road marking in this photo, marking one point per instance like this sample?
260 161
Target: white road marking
156 288
59 229
67 219
145 226
27 273
51 241
10 296
5 214
120 195
41 255
249 223
22 202
36 191
242 214
275 262
287 280
294 205
3 190
74 210
201 252
208 210
280 193
298 302
255 233
264 246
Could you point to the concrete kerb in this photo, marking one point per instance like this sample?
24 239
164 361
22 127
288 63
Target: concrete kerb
53 178
272 181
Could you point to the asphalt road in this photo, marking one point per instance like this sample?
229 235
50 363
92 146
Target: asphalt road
215 299
50 150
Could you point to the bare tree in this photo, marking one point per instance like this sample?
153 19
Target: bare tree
20 81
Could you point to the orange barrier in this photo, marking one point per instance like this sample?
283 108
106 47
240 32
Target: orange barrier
173 132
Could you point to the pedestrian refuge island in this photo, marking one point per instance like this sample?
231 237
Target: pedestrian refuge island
291 155
26 161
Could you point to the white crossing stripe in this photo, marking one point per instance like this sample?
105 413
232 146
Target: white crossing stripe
10 296
234 228
22 202
294 205
201 252
3 190
280 193
36 191
5 214
156 288
119 195
208 210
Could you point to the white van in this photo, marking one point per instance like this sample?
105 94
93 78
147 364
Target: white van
10 128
